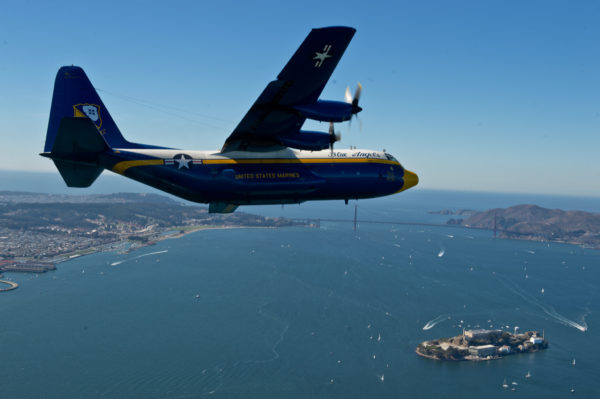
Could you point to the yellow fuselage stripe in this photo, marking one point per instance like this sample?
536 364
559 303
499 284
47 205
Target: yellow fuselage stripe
121 167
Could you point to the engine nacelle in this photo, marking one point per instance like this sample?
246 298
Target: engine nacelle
307 140
327 111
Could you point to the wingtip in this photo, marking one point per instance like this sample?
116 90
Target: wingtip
348 28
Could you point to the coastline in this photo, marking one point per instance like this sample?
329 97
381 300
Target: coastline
533 223
135 245
124 246
425 355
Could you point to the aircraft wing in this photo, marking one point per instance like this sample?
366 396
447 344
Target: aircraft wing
300 82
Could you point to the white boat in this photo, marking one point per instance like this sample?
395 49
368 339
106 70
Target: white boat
504 384
528 375
573 362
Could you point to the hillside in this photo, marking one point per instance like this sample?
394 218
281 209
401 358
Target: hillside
532 222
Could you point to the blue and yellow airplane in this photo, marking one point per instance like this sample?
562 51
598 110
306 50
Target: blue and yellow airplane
267 159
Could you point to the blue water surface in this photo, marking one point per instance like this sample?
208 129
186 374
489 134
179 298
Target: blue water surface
300 312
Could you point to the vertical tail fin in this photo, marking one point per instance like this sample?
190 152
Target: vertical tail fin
74 96
80 129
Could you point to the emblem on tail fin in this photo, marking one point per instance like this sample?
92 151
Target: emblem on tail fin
92 111
321 57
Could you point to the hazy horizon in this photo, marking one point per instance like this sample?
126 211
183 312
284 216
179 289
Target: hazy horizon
109 183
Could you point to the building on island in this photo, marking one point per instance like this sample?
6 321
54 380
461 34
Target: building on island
504 350
535 340
483 350
471 335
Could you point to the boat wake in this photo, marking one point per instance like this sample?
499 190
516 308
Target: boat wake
432 323
548 309
139 256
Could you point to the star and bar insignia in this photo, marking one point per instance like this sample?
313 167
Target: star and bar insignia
182 161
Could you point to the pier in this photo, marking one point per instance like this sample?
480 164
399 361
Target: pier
26 266
12 285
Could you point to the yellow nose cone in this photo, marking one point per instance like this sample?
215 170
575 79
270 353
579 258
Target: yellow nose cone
410 180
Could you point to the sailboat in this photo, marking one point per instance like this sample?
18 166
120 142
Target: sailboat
573 362
504 384
528 375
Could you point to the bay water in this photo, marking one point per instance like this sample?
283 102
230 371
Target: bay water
303 312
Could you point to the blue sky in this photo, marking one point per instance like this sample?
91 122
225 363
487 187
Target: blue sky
471 95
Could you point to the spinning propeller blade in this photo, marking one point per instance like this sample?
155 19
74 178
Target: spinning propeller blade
333 136
354 101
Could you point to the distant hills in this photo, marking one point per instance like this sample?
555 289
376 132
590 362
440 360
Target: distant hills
25 197
532 222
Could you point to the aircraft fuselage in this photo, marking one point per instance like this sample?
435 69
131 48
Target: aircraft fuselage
250 178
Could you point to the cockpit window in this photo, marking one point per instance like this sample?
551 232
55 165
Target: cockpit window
390 157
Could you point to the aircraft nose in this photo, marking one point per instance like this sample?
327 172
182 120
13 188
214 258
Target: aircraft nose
410 180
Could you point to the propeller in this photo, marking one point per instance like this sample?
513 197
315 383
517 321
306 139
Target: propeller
337 136
333 136
354 101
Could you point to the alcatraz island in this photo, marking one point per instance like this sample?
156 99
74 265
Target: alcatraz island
476 345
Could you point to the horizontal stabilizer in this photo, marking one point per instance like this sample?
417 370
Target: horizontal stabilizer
75 151
76 174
